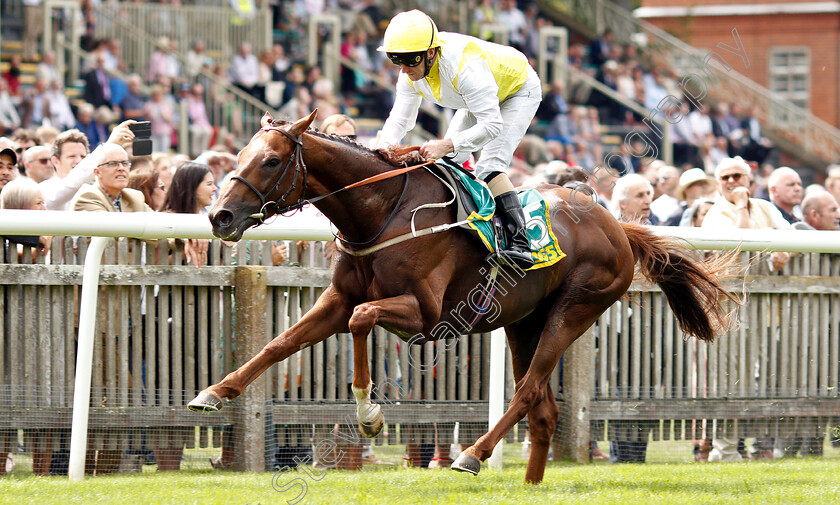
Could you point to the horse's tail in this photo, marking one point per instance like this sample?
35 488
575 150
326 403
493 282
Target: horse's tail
691 287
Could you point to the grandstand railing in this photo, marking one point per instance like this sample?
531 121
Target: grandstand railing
229 109
666 153
793 128
220 27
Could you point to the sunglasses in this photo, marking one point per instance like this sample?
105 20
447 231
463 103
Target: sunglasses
734 177
407 59
41 160
114 164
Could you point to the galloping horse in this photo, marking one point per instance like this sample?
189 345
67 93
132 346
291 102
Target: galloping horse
410 286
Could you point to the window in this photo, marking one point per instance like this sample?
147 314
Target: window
790 74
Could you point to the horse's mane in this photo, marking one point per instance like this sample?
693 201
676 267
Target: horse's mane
341 139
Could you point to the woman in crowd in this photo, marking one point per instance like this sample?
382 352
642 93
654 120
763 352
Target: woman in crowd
147 181
191 189
699 209
24 194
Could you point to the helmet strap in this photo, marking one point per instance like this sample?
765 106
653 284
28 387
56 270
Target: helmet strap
429 62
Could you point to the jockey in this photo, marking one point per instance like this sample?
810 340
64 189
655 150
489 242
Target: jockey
495 93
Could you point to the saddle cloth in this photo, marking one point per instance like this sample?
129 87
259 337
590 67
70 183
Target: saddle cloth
476 207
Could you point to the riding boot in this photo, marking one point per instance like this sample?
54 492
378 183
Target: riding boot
517 251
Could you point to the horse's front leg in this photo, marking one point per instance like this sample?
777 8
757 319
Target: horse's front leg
402 311
328 316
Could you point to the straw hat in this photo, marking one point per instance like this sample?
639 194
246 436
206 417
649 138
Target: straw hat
692 176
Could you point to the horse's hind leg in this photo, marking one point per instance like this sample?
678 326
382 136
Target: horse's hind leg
329 315
564 324
542 419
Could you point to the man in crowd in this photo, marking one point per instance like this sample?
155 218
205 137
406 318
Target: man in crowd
785 188
8 166
111 192
667 204
694 184
37 164
820 210
244 69
98 84
735 208
74 167
631 201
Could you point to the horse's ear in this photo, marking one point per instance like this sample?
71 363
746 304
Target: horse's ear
302 124
266 119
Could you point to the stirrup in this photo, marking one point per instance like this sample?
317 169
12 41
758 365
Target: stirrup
516 259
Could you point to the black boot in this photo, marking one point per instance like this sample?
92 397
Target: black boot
518 251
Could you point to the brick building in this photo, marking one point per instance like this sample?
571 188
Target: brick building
793 46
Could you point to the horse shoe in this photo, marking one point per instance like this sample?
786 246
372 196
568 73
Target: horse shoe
205 402
371 420
466 463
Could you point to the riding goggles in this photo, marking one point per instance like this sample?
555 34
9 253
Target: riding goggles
407 59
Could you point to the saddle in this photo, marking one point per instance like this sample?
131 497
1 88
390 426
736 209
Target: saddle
475 211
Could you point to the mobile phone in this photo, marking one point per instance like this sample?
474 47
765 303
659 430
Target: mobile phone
142 144
141 129
141 147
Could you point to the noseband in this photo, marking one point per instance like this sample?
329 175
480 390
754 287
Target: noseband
270 207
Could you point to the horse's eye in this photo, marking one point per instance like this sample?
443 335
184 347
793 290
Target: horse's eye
272 163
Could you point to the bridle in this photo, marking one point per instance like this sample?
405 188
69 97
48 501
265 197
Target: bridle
270 207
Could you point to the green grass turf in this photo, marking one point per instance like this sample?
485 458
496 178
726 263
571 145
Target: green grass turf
797 480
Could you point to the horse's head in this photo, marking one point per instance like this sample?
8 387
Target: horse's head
270 179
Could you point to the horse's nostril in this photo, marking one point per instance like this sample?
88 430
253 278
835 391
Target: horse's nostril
223 217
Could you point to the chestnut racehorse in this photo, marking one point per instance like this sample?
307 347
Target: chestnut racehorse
412 286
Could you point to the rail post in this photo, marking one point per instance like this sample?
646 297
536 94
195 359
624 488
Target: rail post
249 296
577 394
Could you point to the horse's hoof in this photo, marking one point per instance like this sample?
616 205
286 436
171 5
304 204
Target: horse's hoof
371 431
370 419
466 463
205 402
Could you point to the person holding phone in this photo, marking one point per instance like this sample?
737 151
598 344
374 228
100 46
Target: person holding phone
74 163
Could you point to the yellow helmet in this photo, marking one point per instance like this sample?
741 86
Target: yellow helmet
410 32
